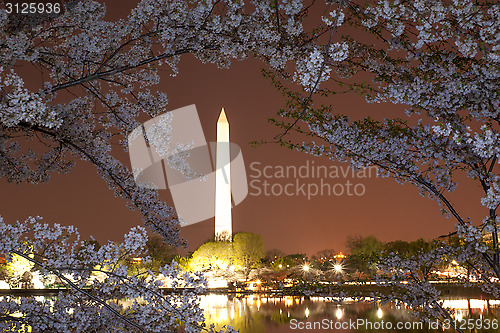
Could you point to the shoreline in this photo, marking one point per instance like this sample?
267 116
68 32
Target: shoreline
446 289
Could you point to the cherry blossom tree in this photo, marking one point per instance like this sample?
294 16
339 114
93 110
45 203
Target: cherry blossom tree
440 61
97 88
60 252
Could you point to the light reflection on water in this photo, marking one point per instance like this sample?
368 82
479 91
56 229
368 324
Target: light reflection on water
256 313
272 314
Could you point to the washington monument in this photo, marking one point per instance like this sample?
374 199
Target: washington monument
223 223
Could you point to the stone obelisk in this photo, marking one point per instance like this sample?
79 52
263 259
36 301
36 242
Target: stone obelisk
223 222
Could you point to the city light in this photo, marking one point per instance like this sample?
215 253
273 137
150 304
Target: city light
339 256
305 268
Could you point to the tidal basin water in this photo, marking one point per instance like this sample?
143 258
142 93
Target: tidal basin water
273 314
266 313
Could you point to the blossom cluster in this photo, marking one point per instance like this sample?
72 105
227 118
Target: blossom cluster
58 251
438 60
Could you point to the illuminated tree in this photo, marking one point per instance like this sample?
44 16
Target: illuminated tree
248 252
17 266
212 256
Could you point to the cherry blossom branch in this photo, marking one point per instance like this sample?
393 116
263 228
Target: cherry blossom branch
81 291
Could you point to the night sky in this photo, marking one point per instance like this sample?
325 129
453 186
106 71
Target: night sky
292 224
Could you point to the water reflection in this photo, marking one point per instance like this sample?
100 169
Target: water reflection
259 314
